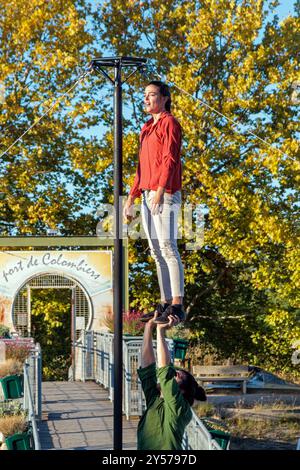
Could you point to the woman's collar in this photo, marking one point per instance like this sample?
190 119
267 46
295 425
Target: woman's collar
151 120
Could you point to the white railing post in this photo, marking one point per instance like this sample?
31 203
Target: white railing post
83 355
29 406
38 380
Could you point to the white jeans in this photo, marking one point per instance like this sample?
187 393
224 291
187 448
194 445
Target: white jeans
161 231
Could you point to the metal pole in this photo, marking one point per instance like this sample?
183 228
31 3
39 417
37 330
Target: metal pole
117 63
73 334
28 311
39 380
118 259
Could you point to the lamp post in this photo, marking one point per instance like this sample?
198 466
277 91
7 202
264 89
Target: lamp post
103 65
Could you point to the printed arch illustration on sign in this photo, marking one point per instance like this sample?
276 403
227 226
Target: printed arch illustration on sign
82 307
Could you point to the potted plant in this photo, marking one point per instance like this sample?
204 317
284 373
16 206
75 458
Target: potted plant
11 378
14 431
17 349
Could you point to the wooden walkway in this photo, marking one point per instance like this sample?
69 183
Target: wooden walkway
79 416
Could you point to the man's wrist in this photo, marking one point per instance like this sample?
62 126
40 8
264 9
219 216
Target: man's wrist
161 332
150 326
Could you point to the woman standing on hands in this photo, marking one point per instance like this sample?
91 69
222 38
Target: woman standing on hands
168 404
158 180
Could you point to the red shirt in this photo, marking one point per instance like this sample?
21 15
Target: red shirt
159 157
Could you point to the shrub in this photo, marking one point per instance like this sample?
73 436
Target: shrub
57 368
10 367
131 323
4 331
205 409
12 407
17 350
179 332
13 424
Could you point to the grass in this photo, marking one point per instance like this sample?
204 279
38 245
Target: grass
14 424
276 406
205 410
11 367
283 429
261 426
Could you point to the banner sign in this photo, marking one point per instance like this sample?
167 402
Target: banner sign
92 270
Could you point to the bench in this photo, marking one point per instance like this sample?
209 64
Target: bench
234 374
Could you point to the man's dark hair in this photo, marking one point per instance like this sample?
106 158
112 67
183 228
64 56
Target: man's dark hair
164 91
190 388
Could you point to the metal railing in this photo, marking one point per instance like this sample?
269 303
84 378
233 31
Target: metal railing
197 437
32 400
29 407
34 369
94 353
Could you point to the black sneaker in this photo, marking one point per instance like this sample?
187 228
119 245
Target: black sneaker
175 310
159 308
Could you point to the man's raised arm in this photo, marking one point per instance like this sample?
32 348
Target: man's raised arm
163 354
148 356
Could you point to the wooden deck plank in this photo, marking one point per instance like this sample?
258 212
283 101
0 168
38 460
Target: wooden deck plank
79 416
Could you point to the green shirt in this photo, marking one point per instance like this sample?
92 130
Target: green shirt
162 425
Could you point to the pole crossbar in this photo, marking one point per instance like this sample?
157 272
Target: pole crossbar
99 63
113 61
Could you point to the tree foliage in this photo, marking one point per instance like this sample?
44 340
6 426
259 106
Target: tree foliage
49 176
236 57
233 55
51 328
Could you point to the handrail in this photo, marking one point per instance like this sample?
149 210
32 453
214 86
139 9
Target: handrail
28 401
38 380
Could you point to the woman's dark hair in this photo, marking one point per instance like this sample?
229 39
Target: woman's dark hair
164 91
190 388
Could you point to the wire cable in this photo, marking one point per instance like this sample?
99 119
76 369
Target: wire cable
210 107
163 78
81 77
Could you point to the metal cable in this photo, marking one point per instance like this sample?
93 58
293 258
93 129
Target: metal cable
210 107
223 115
82 77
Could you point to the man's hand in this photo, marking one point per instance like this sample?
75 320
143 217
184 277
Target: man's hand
157 201
150 324
163 353
173 321
127 211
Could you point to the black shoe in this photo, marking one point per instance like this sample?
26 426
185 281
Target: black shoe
159 309
175 310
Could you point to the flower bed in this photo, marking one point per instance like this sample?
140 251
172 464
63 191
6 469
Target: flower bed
18 348
132 324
